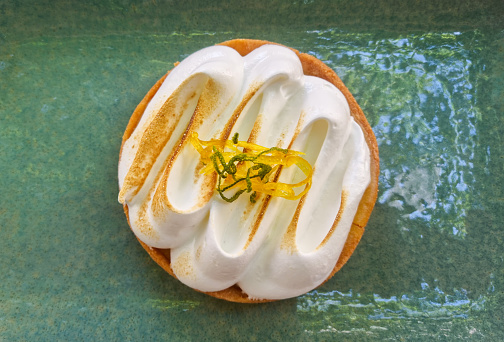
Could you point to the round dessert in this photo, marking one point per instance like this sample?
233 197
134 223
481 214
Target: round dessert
249 172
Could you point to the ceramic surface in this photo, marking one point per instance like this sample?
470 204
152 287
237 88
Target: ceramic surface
430 77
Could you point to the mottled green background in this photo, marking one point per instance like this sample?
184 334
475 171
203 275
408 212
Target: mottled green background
428 74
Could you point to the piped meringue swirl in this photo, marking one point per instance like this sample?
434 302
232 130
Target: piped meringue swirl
274 248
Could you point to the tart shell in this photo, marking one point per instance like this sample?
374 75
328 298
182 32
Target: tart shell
311 67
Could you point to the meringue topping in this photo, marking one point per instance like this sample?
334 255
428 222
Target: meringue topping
274 248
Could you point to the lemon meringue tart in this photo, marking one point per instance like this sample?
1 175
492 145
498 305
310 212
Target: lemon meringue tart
249 172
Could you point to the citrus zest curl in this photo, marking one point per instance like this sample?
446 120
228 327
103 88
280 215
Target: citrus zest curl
250 168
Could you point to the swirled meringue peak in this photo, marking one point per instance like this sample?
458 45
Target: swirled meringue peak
274 248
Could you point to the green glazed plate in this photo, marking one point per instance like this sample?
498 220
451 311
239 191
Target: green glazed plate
429 76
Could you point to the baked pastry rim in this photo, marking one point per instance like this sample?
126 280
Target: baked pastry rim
312 67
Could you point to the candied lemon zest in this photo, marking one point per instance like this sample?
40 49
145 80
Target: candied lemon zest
249 168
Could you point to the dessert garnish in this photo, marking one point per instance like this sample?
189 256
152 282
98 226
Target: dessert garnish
250 168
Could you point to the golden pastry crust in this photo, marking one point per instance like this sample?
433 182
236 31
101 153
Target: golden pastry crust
311 67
